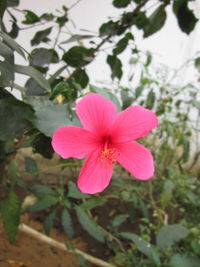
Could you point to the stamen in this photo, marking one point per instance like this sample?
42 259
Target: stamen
109 156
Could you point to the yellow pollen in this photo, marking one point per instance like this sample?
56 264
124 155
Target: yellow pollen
109 156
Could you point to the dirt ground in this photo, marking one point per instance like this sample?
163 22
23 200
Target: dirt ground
29 251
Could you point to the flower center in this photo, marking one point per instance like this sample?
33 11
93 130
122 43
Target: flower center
109 156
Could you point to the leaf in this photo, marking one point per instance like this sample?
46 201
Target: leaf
50 116
12 44
156 21
119 219
77 55
73 192
3 5
43 56
49 221
92 203
67 223
197 63
34 89
33 73
41 36
185 16
62 88
42 190
42 145
167 195
115 65
6 52
6 74
181 260
89 225
44 203
143 246
170 234
31 166
121 3
15 116
122 44
10 212
77 38
81 78
12 3
150 100
13 173
30 17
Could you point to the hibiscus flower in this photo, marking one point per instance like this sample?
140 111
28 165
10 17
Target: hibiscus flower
106 138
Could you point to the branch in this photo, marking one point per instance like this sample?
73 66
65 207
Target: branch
52 242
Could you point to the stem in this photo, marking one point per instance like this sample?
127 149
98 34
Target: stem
52 242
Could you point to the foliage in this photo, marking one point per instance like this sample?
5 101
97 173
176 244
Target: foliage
163 213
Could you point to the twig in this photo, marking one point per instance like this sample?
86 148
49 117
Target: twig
52 242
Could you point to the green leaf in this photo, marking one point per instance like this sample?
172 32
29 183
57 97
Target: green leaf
43 56
121 3
33 73
44 203
67 223
77 55
13 173
119 219
12 3
138 91
81 78
89 225
73 192
170 234
143 246
49 221
41 36
150 99
62 88
3 5
122 44
77 38
167 195
30 17
10 212
15 116
42 145
181 260
50 116
34 89
156 21
31 166
197 63
42 190
92 203
115 65
12 44
6 52
6 74
185 16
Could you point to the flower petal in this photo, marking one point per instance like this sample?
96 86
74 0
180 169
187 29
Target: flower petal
132 123
94 176
96 113
136 159
73 142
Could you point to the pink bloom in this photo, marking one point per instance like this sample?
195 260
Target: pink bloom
106 138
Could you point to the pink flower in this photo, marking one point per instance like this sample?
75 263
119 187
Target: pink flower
106 138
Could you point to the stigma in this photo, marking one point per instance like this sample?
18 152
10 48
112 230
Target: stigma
108 156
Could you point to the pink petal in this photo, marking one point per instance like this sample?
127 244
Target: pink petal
136 159
96 113
132 123
94 176
73 142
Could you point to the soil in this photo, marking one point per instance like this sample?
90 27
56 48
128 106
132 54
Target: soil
28 251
